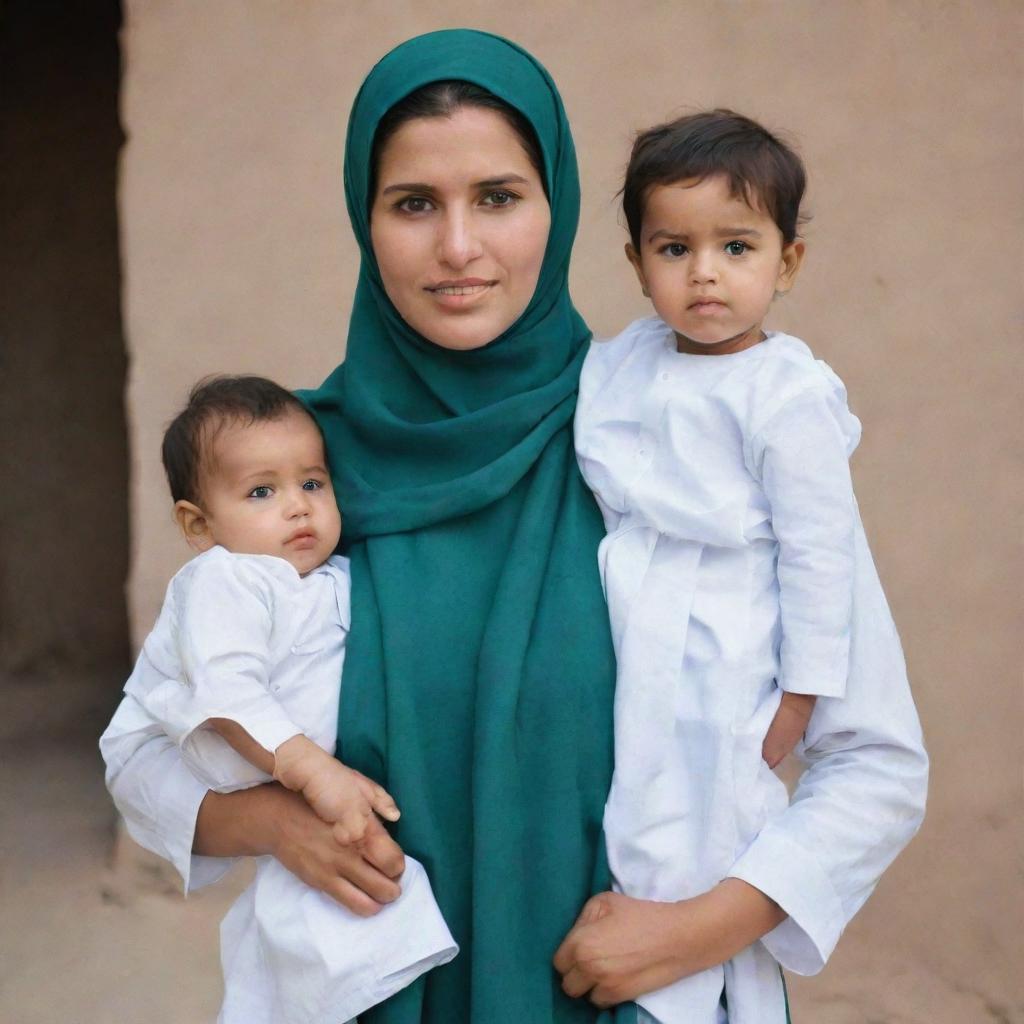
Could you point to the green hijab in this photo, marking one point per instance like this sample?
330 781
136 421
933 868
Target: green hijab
479 676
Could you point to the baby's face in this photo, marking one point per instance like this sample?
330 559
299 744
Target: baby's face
265 490
711 264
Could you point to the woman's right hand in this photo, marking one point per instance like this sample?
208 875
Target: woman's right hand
270 820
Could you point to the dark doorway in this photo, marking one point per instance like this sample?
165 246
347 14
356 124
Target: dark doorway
64 526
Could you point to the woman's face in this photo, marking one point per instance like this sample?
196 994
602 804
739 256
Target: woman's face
459 224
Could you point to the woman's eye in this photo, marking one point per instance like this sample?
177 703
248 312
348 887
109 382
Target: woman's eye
736 248
500 197
415 204
312 485
263 491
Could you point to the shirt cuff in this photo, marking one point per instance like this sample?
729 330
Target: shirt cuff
818 668
790 876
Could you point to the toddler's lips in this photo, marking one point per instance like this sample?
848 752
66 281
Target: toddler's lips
707 307
302 539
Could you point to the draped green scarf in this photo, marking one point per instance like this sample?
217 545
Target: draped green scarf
479 676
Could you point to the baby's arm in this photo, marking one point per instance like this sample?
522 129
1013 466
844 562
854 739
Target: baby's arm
225 689
339 795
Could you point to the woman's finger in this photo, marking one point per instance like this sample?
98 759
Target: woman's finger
351 867
576 983
352 898
381 851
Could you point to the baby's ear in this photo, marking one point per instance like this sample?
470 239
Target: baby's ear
194 525
634 257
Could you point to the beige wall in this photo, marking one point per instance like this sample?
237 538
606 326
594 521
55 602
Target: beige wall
238 257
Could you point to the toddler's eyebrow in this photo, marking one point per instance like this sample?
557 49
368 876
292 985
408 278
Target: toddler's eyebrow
672 236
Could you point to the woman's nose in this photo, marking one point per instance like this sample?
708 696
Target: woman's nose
458 242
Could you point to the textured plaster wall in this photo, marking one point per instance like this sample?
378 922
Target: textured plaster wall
237 257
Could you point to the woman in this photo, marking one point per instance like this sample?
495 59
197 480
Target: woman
478 683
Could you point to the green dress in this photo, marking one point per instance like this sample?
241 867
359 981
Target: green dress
479 676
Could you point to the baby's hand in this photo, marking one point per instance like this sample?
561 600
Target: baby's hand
340 796
788 725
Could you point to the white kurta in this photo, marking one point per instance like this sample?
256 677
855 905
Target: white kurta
244 637
734 567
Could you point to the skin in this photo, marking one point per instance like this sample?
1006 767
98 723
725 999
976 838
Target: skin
711 264
478 213
459 225
457 229
264 489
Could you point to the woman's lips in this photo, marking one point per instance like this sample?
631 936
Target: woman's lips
459 294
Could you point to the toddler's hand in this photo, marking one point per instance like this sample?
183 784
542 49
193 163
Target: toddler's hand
340 796
788 725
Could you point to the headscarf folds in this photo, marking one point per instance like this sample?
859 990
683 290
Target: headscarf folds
479 675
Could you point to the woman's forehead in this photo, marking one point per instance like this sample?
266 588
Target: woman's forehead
475 145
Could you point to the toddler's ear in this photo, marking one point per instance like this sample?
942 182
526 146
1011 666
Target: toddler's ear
634 257
792 261
194 526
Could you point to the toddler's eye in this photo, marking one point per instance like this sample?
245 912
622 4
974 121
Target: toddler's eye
674 250
263 491
736 248
312 485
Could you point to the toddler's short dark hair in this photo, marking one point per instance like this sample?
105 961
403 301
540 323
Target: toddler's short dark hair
212 403
761 170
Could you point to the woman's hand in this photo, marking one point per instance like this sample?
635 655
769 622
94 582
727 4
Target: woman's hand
621 947
270 820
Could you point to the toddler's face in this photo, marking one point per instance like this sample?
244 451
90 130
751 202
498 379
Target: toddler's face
711 264
265 490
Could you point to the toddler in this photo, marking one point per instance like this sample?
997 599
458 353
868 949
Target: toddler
719 456
242 671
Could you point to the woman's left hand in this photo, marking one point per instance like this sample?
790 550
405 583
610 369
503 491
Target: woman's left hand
621 947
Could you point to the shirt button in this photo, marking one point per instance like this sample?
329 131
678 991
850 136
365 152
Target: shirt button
666 376
642 452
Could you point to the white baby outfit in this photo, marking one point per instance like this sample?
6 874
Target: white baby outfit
728 567
244 637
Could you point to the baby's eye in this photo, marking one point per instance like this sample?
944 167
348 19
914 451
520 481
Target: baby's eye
312 485
500 197
674 250
415 204
262 491
736 248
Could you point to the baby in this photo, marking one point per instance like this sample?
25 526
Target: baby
719 456
243 670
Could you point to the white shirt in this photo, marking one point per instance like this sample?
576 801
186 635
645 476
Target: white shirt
244 637
735 564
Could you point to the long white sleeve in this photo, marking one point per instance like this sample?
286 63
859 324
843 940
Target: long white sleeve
801 455
219 626
157 795
861 799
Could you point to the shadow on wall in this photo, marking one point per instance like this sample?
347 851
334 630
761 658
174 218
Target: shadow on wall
63 458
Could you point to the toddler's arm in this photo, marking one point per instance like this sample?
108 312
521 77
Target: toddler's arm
788 726
802 455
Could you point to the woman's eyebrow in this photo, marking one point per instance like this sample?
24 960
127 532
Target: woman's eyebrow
422 186
408 186
502 179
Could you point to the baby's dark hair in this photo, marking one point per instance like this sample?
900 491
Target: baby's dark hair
212 403
761 170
